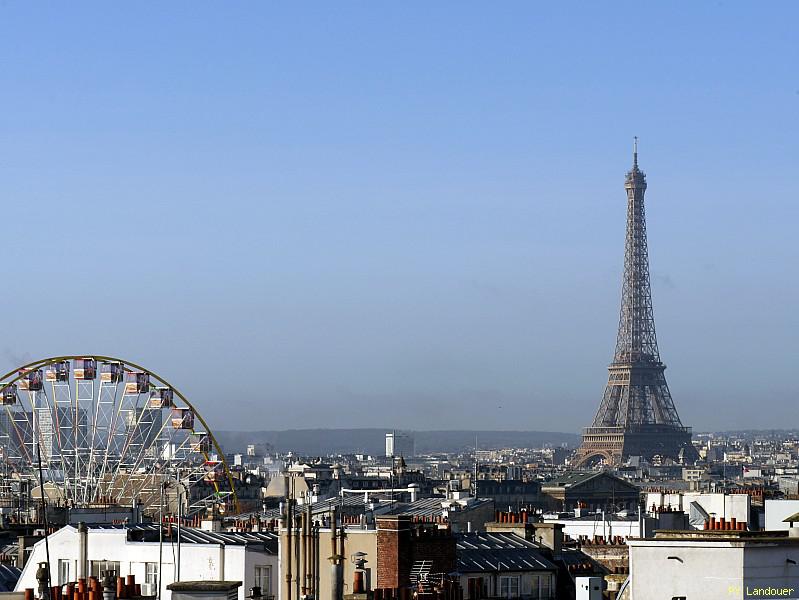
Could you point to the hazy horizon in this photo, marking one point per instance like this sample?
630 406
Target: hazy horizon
360 214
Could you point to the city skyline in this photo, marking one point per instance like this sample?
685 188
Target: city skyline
418 214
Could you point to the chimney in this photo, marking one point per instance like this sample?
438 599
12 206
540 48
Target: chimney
336 559
83 549
212 524
551 536
394 550
413 488
523 530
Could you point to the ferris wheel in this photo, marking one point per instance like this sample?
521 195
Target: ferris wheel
99 431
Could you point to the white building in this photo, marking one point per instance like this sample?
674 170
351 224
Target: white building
717 505
251 558
714 565
606 526
777 511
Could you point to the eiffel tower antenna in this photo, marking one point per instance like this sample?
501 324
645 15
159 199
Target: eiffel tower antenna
637 416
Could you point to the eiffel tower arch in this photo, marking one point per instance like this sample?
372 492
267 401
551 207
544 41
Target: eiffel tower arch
637 416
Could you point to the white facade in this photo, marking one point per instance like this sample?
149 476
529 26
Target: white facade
713 569
608 527
777 511
199 561
717 505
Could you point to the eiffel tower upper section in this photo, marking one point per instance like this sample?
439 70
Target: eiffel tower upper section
636 341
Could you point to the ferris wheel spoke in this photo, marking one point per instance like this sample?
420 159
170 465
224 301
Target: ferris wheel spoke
63 418
152 449
83 374
164 467
114 375
48 439
14 421
103 415
138 450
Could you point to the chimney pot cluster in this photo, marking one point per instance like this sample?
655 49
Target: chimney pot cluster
512 517
724 525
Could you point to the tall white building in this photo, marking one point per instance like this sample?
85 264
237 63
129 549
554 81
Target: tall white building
400 443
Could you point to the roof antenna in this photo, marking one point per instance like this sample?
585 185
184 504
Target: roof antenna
635 152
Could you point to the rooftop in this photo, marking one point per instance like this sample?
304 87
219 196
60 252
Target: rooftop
481 552
428 507
204 586
8 577
729 536
571 478
148 532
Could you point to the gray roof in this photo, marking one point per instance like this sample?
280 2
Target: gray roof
575 478
428 507
492 552
8 577
570 479
10 548
191 535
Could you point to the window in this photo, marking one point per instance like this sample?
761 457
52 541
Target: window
98 566
63 572
151 573
263 579
474 588
545 587
509 586
542 587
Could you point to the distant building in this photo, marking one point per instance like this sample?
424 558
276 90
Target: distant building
510 494
400 443
595 490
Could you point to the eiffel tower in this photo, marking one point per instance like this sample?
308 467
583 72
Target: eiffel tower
637 415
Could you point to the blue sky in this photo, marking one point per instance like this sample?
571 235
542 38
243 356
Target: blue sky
403 215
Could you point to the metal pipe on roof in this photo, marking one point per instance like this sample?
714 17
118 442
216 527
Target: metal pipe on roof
304 551
83 551
288 544
336 568
297 550
314 559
